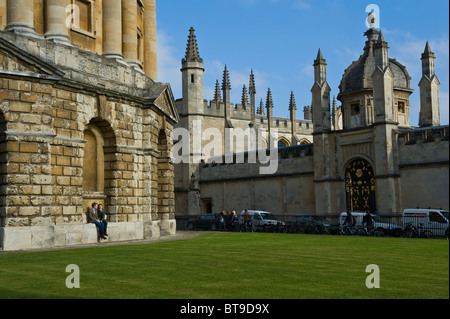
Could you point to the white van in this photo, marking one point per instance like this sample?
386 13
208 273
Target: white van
381 227
261 219
433 220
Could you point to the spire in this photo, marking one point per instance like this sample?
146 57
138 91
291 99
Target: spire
319 55
292 105
380 41
429 90
381 52
244 97
320 70
192 54
217 96
427 53
226 80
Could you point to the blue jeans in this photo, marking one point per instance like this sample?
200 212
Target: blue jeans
101 227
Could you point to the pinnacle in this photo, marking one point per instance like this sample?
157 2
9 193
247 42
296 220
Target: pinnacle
319 58
319 55
427 53
381 42
192 48
244 96
217 96
226 80
381 37
252 87
269 101
292 105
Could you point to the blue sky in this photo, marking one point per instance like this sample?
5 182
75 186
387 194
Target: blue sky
279 40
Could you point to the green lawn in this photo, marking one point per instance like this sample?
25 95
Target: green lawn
236 265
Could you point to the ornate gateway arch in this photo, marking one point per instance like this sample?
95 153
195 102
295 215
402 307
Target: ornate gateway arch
360 186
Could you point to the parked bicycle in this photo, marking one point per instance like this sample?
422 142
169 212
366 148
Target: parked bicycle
412 231
346 230
246 227
372 231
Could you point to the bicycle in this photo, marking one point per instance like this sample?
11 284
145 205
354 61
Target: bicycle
365 231
246 227
412 231
346 230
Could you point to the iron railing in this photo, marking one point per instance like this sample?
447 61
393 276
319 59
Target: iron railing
383 226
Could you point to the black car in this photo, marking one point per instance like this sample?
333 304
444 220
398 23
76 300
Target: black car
205 222
309 224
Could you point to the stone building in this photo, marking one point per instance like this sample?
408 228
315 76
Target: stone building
364 153
82 120
220 113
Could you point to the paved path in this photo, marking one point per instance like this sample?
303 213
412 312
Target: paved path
180 235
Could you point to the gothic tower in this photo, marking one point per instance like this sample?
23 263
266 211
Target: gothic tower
384 130
322 128
429 90
321 96
383 83
191 118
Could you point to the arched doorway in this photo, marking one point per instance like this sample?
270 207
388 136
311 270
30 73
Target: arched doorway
360 186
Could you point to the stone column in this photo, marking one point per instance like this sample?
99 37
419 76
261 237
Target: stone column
112 29
20 14
150 56
129 32
56 28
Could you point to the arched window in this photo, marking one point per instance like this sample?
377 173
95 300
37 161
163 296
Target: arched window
360 186
93 161
283 142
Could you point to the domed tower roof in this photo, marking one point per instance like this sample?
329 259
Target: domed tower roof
358 76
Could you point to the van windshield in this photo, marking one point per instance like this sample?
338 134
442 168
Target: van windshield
268 216
445 213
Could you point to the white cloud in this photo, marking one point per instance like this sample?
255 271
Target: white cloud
169 62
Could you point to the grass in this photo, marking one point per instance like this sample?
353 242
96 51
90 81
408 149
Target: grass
236 266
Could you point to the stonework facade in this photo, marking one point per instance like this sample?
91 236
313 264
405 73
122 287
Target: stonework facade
364 152
82 120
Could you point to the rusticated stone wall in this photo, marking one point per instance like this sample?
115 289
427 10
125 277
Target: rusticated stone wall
77 128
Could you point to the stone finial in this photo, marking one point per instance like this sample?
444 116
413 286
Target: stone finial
192 54
226 85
